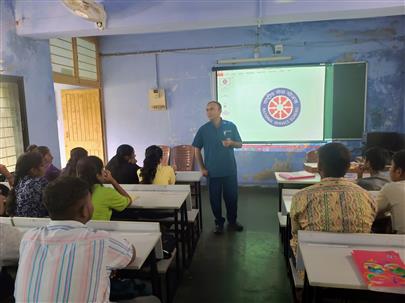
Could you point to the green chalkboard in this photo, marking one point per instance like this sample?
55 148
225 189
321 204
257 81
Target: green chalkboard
345 100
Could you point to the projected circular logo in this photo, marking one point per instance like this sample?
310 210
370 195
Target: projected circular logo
280 107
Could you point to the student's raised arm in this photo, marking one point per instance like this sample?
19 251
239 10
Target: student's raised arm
117 186
4 171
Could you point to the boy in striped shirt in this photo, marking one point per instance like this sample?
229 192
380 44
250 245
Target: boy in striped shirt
66 261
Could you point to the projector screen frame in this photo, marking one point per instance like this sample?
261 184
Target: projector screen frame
214 90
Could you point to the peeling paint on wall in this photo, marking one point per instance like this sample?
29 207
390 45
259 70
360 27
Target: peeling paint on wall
30 59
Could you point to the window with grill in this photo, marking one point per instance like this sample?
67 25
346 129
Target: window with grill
62 56
75 61
13 132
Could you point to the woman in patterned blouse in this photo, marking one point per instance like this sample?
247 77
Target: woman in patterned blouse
25 198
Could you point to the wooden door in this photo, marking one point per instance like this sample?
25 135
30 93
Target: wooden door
82 121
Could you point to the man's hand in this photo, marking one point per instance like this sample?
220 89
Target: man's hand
227 143
204 172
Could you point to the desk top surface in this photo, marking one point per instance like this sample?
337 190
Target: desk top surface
158 199
188 176
327 256
144 243
331 265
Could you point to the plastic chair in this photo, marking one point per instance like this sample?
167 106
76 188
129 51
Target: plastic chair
311 156
166 154
183 157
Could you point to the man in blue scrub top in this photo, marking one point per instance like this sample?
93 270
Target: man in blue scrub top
219 137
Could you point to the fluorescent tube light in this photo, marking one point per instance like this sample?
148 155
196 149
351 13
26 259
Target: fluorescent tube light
253 60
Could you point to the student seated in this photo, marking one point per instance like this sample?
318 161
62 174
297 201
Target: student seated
391 198
105 199
76 154
334 204
65 260
375 161
52 172
25 197
152 171
123 165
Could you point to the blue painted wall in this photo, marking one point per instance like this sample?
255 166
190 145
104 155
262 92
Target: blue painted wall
186 76
42 19
31 59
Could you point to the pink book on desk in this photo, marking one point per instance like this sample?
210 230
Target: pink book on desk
297 175
380 269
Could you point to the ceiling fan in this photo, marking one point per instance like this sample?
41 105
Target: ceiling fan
89 10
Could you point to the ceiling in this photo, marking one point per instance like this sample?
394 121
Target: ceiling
48 19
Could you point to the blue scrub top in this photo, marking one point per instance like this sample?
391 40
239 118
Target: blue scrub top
218 160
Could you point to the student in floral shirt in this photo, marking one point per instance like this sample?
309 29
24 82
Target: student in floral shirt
335 204
25 198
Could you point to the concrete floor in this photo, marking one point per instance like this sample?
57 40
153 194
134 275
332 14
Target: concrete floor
239 267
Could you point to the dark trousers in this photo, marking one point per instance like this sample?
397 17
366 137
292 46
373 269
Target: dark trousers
229 187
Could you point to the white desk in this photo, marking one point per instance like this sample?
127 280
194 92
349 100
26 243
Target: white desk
327 259
144 244
158 199
172 201
158 188
145 236
193 178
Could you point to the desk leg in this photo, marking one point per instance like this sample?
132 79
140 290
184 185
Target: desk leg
280 195
188 238
199 201
154 275
177 236
287 236
183 226
307 294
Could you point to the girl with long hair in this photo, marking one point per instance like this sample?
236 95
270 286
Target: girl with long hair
76 154
52 172
105 199
152 171
25 197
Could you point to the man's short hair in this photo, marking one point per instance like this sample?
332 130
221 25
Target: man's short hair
377 157
215 102
334 160
62 197
399 160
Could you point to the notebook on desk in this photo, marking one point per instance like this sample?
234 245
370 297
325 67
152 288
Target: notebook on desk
380 269
297 175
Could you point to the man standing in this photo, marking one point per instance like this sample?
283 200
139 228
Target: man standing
219 137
